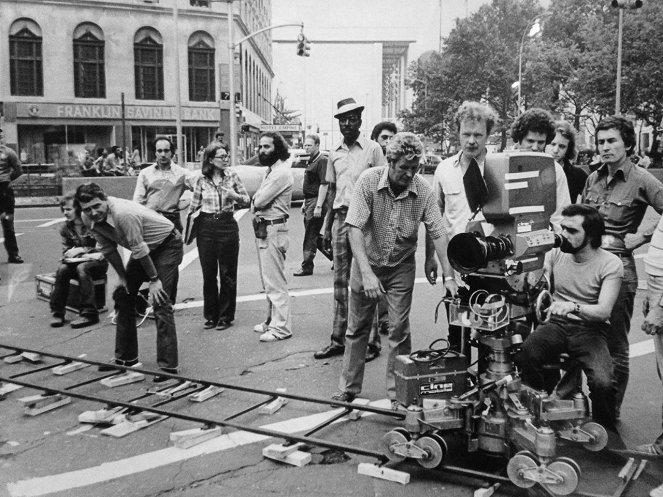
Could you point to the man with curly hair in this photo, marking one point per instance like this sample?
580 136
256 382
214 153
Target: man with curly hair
387 206
533 130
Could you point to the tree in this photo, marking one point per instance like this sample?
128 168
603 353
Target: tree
283 115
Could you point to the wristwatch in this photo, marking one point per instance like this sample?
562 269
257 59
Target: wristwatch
576 309
448 278
154 279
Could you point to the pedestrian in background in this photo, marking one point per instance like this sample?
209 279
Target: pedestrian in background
315 206
10 169
161 185
563 150
271 209
216 193
80 261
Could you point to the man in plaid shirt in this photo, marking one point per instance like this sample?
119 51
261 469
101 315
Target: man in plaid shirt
383 220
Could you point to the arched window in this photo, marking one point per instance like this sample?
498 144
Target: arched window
25 58
201 68
89 66
148 64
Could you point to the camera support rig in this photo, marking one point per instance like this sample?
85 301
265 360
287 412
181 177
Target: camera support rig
507 290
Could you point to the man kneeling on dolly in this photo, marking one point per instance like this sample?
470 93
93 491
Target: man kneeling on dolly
387 207
586 283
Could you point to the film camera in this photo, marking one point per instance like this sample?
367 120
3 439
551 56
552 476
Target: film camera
501 261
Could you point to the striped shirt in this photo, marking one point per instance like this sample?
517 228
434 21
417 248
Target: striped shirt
211 197
390 223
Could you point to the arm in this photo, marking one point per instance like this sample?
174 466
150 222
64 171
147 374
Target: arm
372 286
15 164
450 284
430 264
113 257
597 312
140 193
653 324
322 195
654 193
157 294
241 196
272 186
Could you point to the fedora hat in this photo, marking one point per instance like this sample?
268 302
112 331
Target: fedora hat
347 105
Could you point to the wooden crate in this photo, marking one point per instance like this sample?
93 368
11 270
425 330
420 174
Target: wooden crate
46 282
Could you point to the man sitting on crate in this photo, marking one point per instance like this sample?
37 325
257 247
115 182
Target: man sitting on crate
156 252
586 283
80 261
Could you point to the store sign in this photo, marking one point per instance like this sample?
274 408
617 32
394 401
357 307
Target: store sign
281 128
114 112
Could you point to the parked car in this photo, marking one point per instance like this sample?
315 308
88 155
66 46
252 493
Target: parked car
429 163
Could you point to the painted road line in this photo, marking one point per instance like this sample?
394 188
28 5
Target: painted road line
52 222
36 220
641 348
2 240
261 296
145 462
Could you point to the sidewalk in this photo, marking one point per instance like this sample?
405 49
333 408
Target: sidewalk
49 201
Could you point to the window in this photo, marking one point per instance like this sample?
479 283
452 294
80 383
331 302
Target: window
201 68
25 59
199 3
89 67
148 65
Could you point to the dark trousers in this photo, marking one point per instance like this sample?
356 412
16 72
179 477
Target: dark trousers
175 218
218 249
312 227
620 325
7 204
85 273
166 259
586 344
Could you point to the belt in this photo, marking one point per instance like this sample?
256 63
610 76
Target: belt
217 215
171 236
281 220
343 210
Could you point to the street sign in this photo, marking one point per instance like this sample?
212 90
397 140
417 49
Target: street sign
288 128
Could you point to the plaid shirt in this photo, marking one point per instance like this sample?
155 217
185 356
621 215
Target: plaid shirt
211 198
391 224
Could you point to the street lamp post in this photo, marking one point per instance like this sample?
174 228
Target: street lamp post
530 25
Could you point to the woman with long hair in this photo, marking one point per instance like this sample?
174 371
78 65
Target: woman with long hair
216 193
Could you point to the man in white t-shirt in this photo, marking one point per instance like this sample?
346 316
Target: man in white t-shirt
587 280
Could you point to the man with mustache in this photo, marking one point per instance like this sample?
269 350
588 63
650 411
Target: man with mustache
352 156
621 192
587 280
271 209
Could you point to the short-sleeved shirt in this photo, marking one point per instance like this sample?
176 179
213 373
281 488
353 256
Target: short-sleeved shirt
129 225
623 201
654 258
390 223
581 282
314 176
345 164
161 189
272 200
10 167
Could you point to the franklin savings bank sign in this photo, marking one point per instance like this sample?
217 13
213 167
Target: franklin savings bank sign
114 112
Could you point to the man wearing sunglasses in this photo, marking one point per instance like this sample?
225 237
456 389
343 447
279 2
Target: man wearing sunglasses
161 185
347 160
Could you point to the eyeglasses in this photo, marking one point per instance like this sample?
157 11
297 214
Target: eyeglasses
163 150
223 157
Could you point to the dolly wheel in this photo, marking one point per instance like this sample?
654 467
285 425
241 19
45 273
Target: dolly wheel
389 441
600 436
569 477
435 448
516 468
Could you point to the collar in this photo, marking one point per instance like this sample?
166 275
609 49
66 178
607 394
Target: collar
360 141
482 162
170 166
625 169
313 159
383 183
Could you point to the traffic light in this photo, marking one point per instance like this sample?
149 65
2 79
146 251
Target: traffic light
238 110
626 4
303 46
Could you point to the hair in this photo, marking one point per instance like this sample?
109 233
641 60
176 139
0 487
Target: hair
69 197
173 146
216 135
208 155
377 129
476 111
315 138
535 120
567 131
88 192
592 221
280 145
402 144
625 128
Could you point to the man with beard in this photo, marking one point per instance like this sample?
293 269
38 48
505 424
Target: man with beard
347 160
456 192
621 192
587 280
271 209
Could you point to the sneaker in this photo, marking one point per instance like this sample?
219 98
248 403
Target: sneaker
57 321
650 449
209 324
224 325
269 336
343 397
116 362
261 328
161 378
84 321
372 352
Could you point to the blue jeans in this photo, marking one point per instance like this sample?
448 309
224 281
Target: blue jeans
398 283
166 259
620 325
585 343
85 273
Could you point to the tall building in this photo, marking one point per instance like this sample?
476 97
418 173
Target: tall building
69 64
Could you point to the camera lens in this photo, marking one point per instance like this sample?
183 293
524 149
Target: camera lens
468 252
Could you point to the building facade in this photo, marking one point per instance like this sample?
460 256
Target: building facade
88 74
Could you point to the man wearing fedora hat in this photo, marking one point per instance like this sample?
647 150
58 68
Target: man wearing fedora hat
347 160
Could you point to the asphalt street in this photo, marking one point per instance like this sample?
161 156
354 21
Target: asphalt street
50 455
